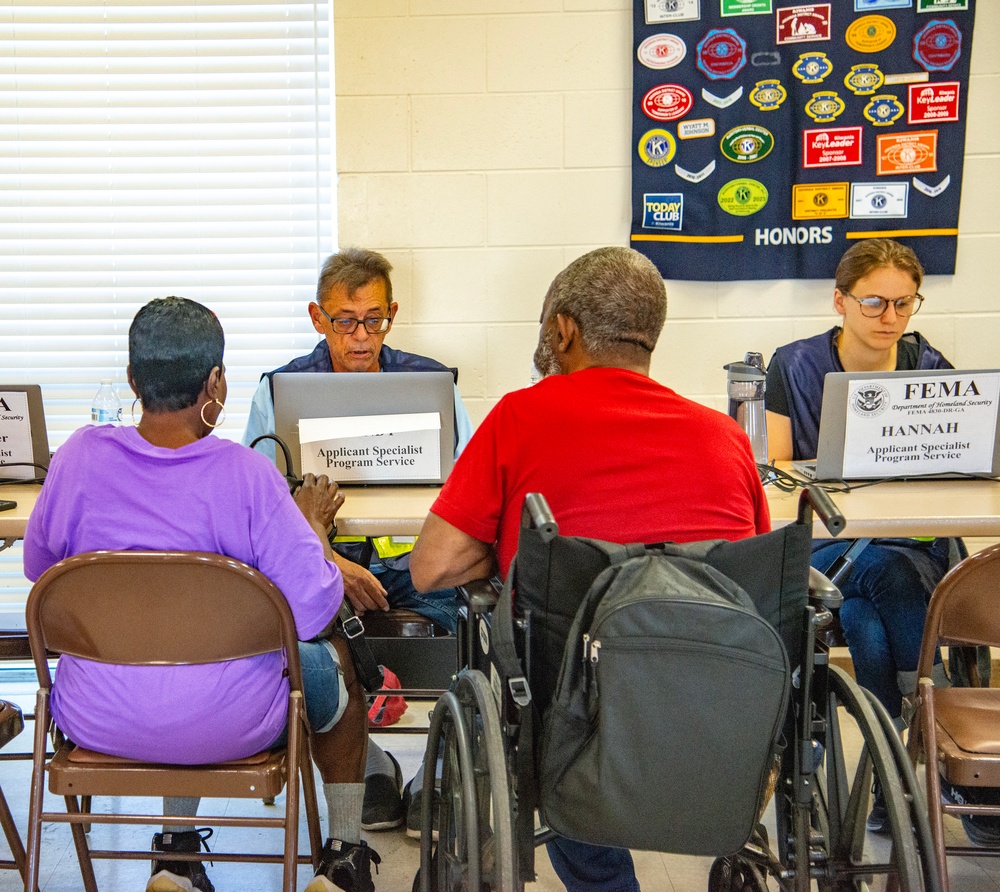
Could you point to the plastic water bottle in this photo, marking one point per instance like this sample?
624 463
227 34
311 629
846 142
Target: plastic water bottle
107 406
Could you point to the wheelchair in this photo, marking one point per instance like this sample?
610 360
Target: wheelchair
485 732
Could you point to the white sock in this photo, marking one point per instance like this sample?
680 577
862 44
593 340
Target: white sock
344 802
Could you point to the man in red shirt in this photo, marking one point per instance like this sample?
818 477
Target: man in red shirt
617 456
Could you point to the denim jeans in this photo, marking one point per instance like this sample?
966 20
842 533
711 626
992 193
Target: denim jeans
323 687
440 606
885 606
583 867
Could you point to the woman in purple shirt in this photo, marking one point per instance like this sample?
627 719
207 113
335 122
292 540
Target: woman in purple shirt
165 484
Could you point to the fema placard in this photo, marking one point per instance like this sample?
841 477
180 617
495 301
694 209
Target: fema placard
15 436
372 448
918 425
663 210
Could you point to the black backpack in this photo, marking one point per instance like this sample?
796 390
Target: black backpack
660 728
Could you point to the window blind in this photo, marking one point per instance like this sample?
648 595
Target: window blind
156 148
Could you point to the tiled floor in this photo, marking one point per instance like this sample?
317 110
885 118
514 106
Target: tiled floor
400 854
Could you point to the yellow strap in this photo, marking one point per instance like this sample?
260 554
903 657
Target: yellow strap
385 546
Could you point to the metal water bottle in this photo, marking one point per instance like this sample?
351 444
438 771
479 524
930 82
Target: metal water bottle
746 401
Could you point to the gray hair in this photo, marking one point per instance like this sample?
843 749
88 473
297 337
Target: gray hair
617 298
353 268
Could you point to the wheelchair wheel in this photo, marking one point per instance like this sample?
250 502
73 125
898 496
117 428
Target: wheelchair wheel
851 859
736 873
475 849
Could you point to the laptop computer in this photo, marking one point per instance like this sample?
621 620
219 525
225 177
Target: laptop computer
368 428
24 441
929 423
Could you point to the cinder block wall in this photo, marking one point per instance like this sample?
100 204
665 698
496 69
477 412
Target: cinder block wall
484 144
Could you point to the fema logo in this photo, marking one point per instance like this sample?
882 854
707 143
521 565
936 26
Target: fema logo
663 210
869 400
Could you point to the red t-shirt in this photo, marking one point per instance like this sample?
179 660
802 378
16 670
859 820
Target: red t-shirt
617 456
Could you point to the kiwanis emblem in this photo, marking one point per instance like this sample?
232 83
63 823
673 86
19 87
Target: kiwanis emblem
825 106
721 53
768 95
746 143
884 110
863 80
870 400
812 68
657 147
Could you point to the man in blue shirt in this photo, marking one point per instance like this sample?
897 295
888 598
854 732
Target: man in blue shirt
354 311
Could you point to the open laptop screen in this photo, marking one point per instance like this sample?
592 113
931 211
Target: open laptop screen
368 428
24 442
909 424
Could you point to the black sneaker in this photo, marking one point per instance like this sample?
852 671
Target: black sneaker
383 807
411 802
982 830
346 866
180 876
878 819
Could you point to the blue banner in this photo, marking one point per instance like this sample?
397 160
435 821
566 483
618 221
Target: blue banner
767 138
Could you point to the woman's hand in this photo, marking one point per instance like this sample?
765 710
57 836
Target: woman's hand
319 499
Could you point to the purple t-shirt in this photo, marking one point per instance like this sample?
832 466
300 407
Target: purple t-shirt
109 489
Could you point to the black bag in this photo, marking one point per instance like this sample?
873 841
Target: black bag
668 707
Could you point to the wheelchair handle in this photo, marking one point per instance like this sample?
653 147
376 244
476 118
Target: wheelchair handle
535 515
815 499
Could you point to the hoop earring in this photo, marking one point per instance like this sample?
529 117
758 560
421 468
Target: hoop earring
134 422
220 421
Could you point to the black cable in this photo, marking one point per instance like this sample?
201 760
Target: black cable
22 464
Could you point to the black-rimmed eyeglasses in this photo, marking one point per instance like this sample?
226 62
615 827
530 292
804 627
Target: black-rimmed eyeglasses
874 306
348 324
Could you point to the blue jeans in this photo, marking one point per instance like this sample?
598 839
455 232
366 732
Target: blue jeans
323 687
584 867
885 606
440 606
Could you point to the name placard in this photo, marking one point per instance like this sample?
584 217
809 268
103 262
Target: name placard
372 448
903 426
15 435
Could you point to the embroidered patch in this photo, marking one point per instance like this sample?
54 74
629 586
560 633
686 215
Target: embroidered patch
932 191
667 102
831 147
824 106
746 7
695 176
801 24
879 199
662 210
914 152
721 101
937 45
884 110
696 129
812 68
941 5
658 11
815 201
870 34
721 53
864 5
742 197
764 59
746 143
930 103
768 95
657 147
864 79
661 51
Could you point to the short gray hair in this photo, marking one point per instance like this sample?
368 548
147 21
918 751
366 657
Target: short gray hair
353 268
617 297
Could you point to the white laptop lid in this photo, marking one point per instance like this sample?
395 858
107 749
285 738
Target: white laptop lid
909 424
368 428
23 437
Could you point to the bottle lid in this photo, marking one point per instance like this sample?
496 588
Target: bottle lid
105 381
740 371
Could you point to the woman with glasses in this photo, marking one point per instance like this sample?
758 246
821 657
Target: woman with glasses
885 597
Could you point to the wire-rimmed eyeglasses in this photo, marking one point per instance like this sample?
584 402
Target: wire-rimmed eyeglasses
875 306
348 324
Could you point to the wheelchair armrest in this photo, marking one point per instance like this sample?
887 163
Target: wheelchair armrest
480 595
822 592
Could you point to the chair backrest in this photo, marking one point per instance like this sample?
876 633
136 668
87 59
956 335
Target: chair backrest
965 607
158 608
